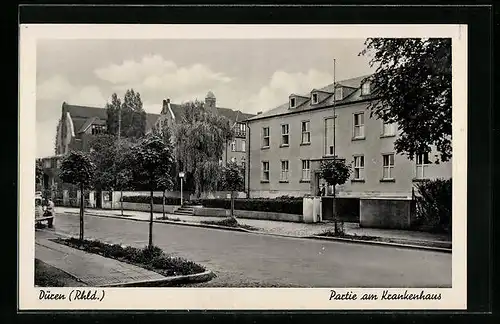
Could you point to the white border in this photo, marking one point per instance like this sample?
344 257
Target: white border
239 298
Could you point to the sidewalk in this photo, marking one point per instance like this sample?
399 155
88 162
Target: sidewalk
94 270
278 228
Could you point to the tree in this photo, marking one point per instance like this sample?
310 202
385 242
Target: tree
335 172
155 159
38 172
232 180
103 152
412 87
113 109
200 139
77 168
133 116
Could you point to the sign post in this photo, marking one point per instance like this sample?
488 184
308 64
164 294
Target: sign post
181 175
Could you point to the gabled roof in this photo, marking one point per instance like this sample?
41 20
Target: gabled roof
354 83
84 116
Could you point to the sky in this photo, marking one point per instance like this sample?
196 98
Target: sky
250 75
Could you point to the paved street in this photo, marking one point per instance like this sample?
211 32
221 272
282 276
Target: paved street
246 259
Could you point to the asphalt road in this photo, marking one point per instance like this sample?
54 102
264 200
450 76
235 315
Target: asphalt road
254 260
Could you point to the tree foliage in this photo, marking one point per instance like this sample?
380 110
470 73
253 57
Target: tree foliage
335 171
133 116
153 160
104 152
200 139
77 168
232 177
412 87
39 171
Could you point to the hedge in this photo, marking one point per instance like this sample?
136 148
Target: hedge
434 205
156 200
277 205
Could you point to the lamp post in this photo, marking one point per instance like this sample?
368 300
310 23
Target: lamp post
181 175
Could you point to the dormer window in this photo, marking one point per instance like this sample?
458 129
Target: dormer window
314 98
339 93
365 89
292 102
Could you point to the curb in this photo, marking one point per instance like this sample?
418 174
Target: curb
391 244
314 237
168 281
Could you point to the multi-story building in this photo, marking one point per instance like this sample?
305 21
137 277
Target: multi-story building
288 143
78 124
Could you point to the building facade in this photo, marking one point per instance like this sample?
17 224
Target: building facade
288 143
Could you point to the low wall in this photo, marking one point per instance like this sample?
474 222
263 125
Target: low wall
386 213
219 195
250 214
145 207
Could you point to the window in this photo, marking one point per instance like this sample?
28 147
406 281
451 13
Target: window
388 166
97 129
292 102
284 134
265 171
243 145
314 98
388 129
306 133
233 146
338 93
359 125
284 171
306 170
329 136
365 89
265 137
422 164
359 167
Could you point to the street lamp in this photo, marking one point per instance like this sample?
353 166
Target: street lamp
181 175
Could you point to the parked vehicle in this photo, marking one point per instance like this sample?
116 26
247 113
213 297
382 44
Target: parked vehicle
44 213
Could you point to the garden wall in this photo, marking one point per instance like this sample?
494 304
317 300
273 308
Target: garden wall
249 214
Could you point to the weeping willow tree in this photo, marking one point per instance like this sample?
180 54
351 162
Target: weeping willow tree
200 138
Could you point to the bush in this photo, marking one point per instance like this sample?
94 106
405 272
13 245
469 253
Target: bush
156 200
434 205
289 205
150 258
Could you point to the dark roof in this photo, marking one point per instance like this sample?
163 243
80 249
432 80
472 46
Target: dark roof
355 95
232 115
84 116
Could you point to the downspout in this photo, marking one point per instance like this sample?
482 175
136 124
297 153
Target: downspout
248 160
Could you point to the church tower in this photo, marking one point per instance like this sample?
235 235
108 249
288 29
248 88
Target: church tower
210 102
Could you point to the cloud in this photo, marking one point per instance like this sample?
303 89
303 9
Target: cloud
153 76
58 88
281 85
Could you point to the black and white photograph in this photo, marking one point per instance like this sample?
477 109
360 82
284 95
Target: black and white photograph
307 164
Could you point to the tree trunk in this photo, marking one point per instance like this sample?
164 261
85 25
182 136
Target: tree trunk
82 200
163 204
151 216
232 204
334 210
121 201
